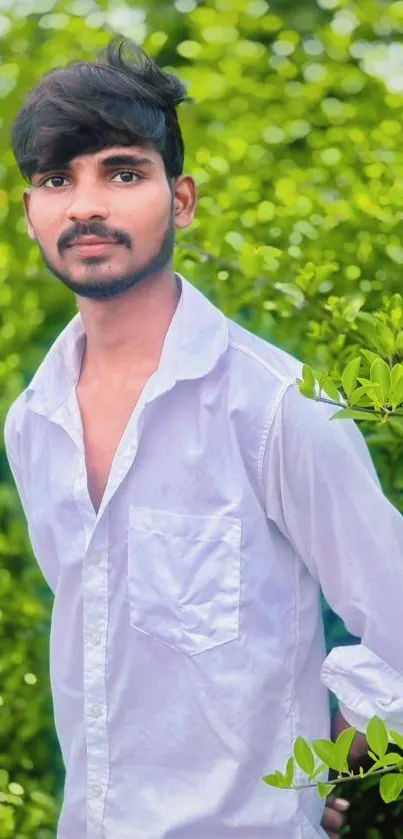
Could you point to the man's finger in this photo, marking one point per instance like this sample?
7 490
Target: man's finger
340 804
334 816
332 819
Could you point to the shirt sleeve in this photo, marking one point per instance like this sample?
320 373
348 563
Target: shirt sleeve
323 492
43 551
11 447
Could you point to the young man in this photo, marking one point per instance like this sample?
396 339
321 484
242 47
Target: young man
184 501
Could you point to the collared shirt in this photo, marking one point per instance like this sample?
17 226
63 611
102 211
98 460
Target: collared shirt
187 649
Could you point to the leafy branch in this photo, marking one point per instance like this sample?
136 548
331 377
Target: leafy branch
377 394
388 765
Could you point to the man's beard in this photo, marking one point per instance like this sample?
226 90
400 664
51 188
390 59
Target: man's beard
113 285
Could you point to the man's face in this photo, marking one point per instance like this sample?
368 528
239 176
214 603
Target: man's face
127 201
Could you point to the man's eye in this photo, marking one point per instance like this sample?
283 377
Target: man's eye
53 178
128 172
62 178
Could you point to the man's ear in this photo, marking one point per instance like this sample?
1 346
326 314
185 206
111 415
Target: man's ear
27 198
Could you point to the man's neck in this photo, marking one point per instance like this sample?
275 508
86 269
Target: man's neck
125 336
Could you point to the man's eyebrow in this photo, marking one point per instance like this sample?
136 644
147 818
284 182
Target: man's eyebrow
106 163
126 160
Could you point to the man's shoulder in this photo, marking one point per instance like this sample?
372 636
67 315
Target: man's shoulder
14 418
260 358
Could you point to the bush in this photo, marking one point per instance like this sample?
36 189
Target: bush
295 143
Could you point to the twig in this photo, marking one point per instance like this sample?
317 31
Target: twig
347 408
338 781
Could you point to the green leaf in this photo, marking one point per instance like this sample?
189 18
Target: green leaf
396 316
396 385
330 388
375 766
380 374
346 413
374 392
327 752
343 745
349 376
325 789
274 780
377 736
359 396
386 339
309 380
303 755
321 767
391 786
397 738
391 759
289 772
306 391
396 374
370 356
374 385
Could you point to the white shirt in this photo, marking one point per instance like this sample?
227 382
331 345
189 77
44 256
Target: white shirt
187 648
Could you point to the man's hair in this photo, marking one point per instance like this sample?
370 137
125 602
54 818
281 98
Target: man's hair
90 105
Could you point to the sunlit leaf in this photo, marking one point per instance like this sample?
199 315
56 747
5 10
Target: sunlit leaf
303 755
325 789
349 376
391 787
377 736
327 752
346 413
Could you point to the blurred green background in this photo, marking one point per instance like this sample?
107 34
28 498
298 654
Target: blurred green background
295 142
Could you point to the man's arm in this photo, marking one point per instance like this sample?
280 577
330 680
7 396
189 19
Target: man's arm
323 493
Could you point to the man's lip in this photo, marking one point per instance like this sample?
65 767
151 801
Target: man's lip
91 241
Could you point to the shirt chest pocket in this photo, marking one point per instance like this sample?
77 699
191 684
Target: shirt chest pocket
184 578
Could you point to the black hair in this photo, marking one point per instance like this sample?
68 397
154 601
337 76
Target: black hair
90 105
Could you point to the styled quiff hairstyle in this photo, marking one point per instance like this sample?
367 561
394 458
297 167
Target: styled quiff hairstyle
86 106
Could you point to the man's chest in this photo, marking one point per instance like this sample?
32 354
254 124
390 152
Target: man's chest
104 421
183 521
181 451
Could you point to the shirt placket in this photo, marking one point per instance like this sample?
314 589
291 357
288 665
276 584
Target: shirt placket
95 629
95 626
95 600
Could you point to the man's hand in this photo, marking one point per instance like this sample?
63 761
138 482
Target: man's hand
334 816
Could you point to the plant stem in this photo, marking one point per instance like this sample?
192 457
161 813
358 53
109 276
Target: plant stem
347 408
338 781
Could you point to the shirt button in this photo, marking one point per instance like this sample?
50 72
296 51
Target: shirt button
95 559
96 711
96 639
97 791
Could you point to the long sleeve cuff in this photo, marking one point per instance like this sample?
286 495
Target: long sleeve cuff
365 687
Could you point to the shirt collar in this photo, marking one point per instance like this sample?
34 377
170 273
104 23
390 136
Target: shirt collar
196 338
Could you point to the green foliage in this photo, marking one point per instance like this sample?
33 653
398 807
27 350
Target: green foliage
376 394
334 756
295 144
